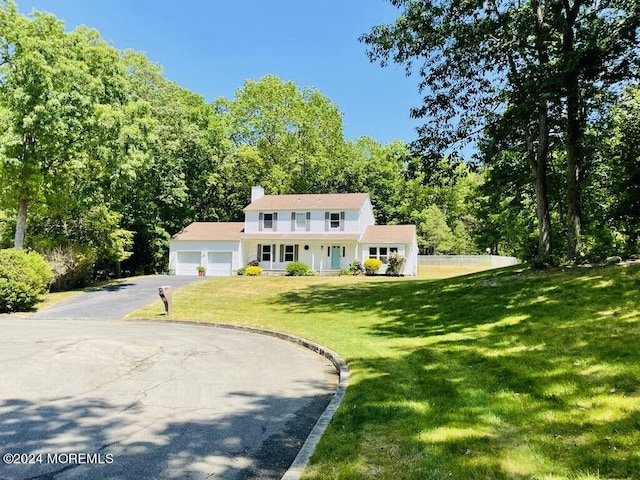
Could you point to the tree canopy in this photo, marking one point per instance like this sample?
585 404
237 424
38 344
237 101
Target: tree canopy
101 153
518 76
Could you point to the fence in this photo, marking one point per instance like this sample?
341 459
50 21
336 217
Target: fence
468 260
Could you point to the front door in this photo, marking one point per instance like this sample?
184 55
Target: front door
335 257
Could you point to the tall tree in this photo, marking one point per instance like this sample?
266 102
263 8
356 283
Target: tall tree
296 133
58 92
529 65
477 69
598 51
179 141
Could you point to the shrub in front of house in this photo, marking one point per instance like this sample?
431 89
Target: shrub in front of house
242 271
371 266
253 271
297 269
356 268
23 277
395 264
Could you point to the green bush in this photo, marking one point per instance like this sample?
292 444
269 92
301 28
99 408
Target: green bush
242 271
23 277
297 269
253 271
72 266
371 266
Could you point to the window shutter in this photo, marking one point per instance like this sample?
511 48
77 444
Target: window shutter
328 251
260 221
326 221
259 251
281 252
295 252
342 221
275 221
293 221
307 223
273 252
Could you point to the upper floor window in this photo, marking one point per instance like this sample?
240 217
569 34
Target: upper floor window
268 221
300 220
334 220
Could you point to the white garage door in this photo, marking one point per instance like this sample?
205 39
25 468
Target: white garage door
219 264
188 263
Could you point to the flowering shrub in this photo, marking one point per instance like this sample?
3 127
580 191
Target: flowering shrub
356 268
371 266
395 264
253 271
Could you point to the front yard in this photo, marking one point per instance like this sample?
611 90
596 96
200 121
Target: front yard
500 374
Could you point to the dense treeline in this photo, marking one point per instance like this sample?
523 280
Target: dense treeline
549 90
102 158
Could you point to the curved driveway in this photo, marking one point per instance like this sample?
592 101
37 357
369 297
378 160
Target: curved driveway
104 399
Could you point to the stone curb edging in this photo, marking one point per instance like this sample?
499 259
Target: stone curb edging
302 459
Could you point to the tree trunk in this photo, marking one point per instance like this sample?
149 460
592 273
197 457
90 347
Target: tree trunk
21 223
538 156
574 164
573 135
539 153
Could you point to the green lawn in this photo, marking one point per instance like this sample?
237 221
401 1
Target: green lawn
503 374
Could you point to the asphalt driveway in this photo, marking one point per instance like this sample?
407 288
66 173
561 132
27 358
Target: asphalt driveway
117 300
85 397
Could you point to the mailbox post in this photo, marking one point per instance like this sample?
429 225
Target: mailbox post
165 295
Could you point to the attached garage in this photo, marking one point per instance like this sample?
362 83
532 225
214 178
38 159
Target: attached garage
219 264
188 263
213 245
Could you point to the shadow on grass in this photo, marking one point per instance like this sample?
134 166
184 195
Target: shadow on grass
221 448
505 375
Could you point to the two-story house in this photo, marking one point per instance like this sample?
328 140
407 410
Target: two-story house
325 231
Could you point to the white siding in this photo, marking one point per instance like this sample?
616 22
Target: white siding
352 222
182 263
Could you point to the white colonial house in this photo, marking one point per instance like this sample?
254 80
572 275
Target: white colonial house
325 231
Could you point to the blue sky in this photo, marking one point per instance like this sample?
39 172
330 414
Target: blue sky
212 46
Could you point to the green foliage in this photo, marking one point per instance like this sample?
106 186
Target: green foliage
292 138
242 271
253 271
72 266
297 269
530 80
344 271
371 266
23 277
395 264
356 268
